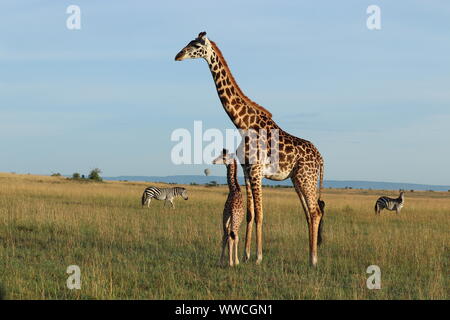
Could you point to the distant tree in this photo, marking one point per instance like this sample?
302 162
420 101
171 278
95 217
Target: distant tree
76 176
95 175
57 174
212 184
83 176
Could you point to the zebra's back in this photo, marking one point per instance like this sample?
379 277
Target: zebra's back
162 193
389 203
156 193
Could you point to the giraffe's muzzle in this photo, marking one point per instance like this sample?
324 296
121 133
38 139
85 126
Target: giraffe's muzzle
180 56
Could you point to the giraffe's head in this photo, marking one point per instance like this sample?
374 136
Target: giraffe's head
224 158
200 47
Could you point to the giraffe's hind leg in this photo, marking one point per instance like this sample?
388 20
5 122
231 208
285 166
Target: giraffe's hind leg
306 188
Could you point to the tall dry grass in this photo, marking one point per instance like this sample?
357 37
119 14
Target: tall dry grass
126 252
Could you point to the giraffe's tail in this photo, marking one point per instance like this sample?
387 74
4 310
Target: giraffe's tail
321 203
322 209
320 179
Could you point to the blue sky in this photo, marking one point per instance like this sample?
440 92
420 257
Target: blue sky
375 103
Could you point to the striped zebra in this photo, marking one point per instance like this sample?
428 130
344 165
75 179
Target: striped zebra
166 194
390 203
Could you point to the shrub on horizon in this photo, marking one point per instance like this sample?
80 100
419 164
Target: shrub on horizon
76 176
95 175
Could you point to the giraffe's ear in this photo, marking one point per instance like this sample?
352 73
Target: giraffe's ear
224 151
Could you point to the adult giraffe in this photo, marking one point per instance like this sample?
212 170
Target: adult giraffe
298 159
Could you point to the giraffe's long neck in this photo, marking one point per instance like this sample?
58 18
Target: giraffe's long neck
243 112
232 180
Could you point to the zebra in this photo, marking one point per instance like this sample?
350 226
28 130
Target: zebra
166 194
390 203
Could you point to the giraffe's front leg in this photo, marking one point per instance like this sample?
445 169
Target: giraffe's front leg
224 244
230 251
250 217
257 200
236 243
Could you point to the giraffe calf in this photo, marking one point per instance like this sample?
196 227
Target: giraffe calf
233 212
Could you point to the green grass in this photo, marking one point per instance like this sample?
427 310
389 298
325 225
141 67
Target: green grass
126 252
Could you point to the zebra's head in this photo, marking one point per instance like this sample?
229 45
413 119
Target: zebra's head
184 194
224 158
200 47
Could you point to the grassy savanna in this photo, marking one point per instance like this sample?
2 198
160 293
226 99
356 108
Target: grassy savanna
126 252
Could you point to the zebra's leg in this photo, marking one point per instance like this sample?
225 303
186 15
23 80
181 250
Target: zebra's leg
171 202
148 202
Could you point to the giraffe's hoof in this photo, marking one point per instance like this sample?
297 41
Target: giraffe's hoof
258 261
